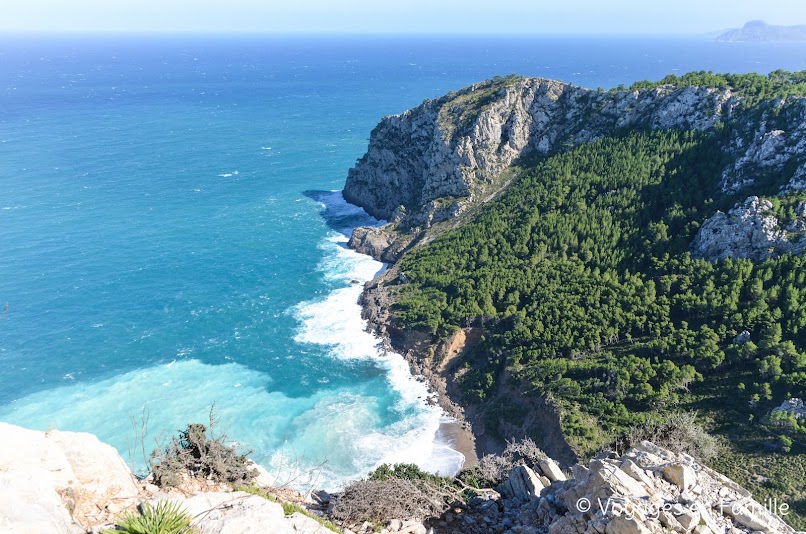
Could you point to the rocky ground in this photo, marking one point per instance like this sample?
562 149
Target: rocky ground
645 490
750 230
68 482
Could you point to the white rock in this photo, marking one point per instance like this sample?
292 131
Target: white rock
242 513
56 472
746 231
522 484
681 475
638 473
752 516
551 470
624 525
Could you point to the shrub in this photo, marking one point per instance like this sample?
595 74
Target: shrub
164 518
197 453
678 432
380 501
400 491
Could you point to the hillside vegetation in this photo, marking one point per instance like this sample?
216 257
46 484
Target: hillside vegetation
582 279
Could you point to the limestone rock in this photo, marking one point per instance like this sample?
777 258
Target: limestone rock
59 478
680 475
242 513
794 407
452 148
746 231
379 242
624 525
428 163
752 515
522 484
551 470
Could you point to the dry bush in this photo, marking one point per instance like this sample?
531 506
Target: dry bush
198 453
678 432
380 501
493 469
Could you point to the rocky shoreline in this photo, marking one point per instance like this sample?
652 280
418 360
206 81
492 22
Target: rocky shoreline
439 364
375 304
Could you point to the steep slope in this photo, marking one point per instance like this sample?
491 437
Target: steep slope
455 147
577 233
431 163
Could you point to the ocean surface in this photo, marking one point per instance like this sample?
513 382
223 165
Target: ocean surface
171 235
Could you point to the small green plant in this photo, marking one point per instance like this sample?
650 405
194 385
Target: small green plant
165 518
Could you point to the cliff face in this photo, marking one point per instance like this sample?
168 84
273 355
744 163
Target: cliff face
428 163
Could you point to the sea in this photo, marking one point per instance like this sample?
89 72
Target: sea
173 239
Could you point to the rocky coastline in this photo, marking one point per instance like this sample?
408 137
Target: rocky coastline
430 168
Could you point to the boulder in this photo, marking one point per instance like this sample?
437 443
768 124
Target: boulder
522 484
679 474
747 514
551 470
625 525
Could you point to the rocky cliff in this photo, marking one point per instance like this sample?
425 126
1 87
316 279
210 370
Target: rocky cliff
429 164
454 148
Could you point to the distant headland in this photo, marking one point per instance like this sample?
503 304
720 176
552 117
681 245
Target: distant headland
758 30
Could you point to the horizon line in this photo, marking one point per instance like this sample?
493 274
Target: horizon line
337 33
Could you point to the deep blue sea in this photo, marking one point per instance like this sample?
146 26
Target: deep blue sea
170 236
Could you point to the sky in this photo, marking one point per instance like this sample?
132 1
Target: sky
398 16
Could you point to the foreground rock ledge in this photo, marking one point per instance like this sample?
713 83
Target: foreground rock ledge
69 482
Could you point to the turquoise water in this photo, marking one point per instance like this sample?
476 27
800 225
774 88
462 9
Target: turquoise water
171 238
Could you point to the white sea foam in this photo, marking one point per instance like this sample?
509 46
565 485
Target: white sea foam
324 436
335 321
338 208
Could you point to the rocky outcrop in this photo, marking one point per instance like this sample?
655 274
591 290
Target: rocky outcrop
648 489
379 242
71 483
762 150
749 230
793 407
430 163
59 481
452 150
